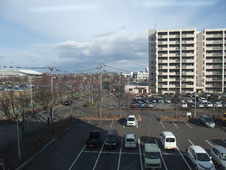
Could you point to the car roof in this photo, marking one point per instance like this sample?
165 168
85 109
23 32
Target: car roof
198 149
221 149
131 116
151 147
168 133
130 136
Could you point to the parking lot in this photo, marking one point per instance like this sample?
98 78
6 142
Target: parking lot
69 152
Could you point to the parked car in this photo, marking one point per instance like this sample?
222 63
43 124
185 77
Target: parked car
160 100
152 159
131 121
218 104
149 105
168 140
167 100
207 121
191 105
188 100
111 140
201 105
153 100
130 141
200 158
209 104
184 105
94 139
66 103
219 156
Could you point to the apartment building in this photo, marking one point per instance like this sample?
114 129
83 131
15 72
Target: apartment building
212 58
172 61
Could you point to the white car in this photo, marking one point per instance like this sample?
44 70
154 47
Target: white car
218 104
209 104
219 156
200 158
184 105
130 141
131 121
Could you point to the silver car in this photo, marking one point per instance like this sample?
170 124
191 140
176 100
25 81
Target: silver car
207 121
219 156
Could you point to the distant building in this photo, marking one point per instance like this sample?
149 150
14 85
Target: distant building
136 89
18 73
143 75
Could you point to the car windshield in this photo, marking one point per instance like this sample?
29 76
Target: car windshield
129 140
170 139
94 135
110 139
208 119
152 155
223 156
203 157
131 119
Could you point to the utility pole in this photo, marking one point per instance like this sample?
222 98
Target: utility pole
101 70
31 95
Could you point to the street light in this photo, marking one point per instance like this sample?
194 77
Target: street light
53 98
18 136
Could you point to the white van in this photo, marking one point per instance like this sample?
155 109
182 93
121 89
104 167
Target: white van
130 141
168 140
151 155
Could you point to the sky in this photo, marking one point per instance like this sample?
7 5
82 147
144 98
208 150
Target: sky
75 35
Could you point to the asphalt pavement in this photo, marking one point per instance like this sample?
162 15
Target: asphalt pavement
69 152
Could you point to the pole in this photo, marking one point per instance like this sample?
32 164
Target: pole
195 106
18 139
31 95
101 84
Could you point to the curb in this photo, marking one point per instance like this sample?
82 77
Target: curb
24 164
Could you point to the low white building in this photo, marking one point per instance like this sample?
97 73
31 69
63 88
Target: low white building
18 73
143 75
136 88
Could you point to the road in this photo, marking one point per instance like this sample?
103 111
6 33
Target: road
70 153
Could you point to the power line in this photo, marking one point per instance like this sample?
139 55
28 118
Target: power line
119 69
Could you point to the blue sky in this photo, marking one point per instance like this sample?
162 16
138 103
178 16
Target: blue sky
80 34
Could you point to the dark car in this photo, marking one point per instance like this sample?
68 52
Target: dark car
111 140
67 103
207 121
94 139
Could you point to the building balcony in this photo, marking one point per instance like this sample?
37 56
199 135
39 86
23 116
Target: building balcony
174 42
214 67
188 54
174 36
213 61
188 67
188 35
214 73
188 42
188 48
174 48
174 54
163 67
162 55
174 73
188 61
188 73
214 42
162 49
187 79
213 79
214 48
162 36
162 80
213 54
174 61
163 85
162 42
174 80
187 86
162 61
174 67
214 35
163 73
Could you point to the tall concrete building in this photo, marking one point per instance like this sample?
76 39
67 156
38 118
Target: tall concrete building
212 58
172 61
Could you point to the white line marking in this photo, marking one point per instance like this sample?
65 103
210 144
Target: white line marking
209 143
141 162
108 152
175 124
190 142
137 125
77 157
162 156
187 124
124 124
184 158
162 124
111 123
98 157
120 152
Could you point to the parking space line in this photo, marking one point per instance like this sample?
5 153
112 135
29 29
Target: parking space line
111 123
98 156
175 124
162 124
184 159
77 157
187 124
120 152
141 162
209 143
124 124
109 152
137 125
190 142
164 163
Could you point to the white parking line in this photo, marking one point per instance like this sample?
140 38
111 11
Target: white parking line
137 125
190 142
184 158
175 124
187 124
77 157
98 157
111 123
124 124
109 152
164 163
120 152
209 143
141 162
162 124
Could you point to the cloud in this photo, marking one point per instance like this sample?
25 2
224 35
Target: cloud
64 8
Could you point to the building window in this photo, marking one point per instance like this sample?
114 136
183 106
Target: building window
151 62
151 67
151 73
130 89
